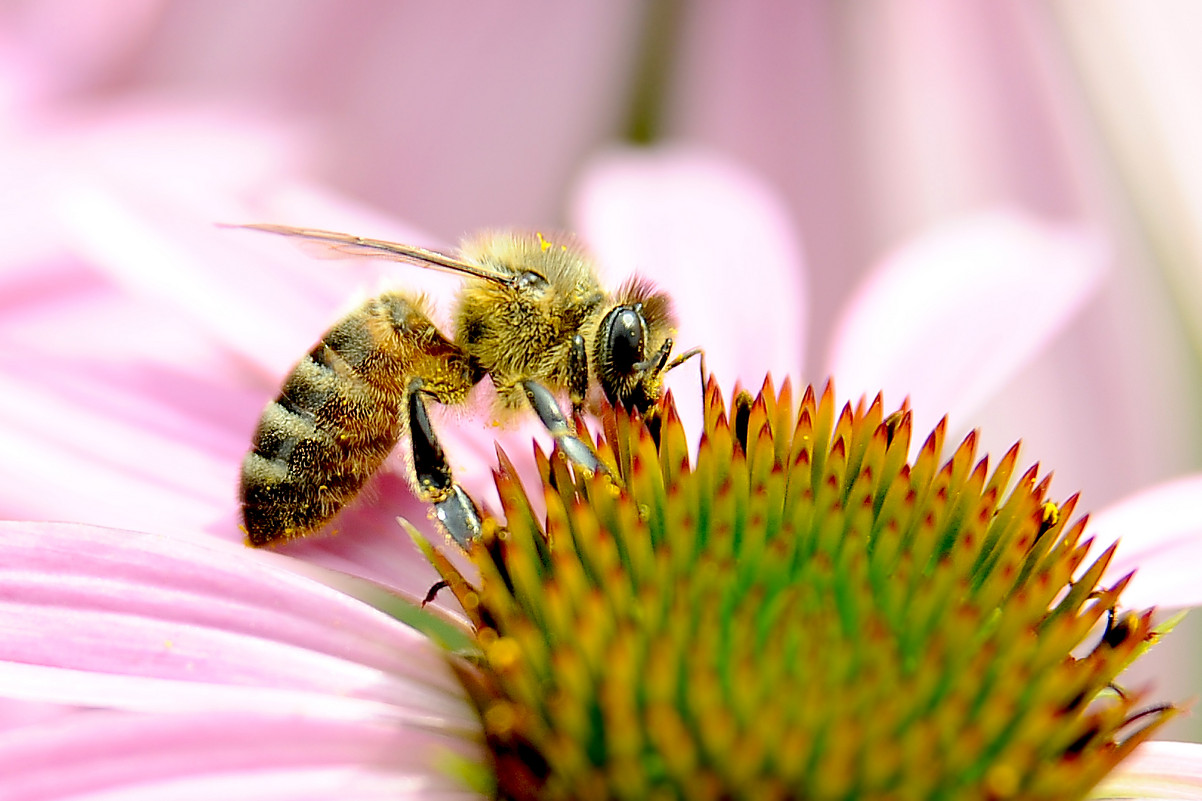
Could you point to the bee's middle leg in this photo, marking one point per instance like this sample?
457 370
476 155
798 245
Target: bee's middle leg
453 507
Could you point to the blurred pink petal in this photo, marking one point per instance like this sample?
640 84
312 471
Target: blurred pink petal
226 755
1139 64
118 619
1157 770
950 316
174 256
1160 533
206 162
172 149
87 441
67 45
15 712
161 244
717 239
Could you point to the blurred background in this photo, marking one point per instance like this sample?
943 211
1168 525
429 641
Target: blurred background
872 122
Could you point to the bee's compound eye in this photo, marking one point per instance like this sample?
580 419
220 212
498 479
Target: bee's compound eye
624 335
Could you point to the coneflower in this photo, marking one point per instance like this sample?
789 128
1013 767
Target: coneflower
801 611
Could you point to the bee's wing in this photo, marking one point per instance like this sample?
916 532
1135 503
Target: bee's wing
381 249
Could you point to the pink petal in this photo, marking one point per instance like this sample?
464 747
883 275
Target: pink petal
67 46
101 617
227 755
59 305
135 446
167 251
1156 770
136 192
15 713
203 157
949 317
1160 536
717 239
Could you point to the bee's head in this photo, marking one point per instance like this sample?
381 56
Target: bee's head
633 344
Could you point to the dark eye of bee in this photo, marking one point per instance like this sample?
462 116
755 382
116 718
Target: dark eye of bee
625 337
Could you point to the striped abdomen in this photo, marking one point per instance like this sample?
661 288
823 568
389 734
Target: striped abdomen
335 420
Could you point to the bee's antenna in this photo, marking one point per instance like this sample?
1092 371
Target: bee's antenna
684 357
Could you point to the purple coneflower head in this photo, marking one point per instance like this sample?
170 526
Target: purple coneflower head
803 610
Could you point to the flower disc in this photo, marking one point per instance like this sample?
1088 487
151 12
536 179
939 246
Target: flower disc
802 612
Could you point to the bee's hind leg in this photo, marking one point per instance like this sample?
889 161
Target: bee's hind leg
453 507
548 411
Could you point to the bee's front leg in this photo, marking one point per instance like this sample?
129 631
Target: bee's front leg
577 374
576 449
452 506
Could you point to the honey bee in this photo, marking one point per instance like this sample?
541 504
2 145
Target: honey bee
531 315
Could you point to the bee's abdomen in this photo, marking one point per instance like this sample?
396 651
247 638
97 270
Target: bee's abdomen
338 415
319 441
